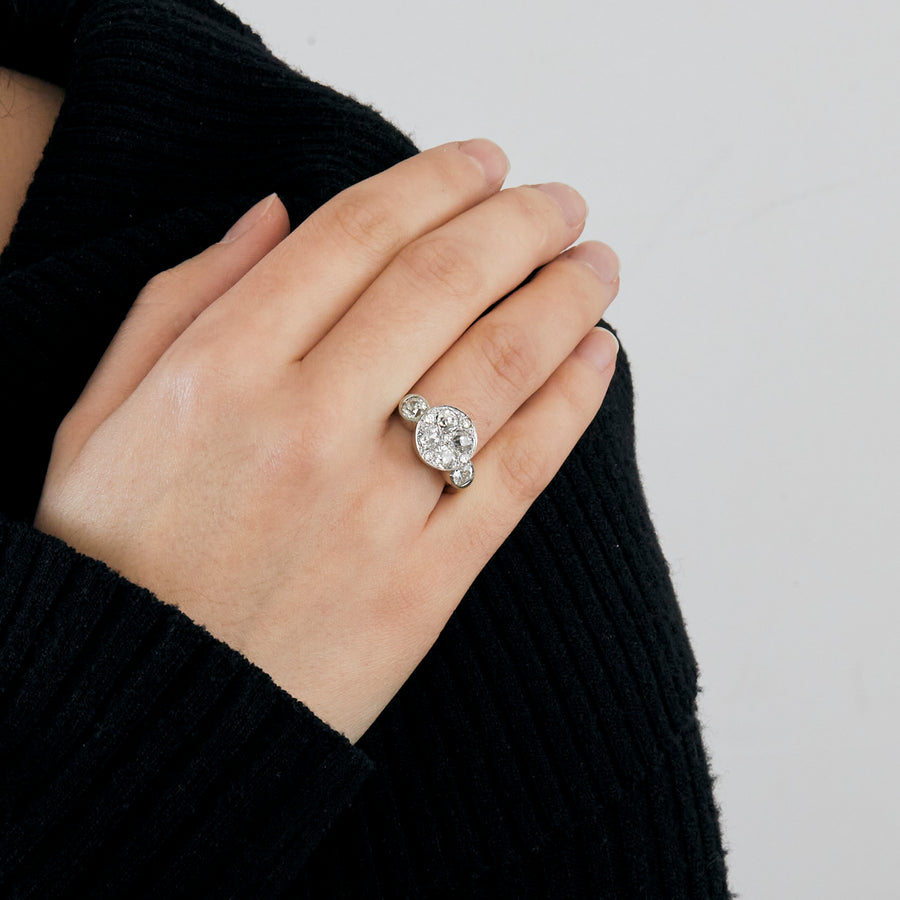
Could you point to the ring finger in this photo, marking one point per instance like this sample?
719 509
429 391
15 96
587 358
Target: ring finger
509 353
521 461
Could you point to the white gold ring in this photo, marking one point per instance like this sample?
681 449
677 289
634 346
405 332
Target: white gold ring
445 438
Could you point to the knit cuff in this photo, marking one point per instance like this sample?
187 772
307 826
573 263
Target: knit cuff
138 750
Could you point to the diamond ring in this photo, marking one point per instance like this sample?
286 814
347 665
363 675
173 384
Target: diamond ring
445 438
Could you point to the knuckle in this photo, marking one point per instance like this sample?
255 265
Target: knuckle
189 390
448 172
200 382
442 261
523 467
306 446
539 211
368 222
578 390
584 292
581 280
66 431
509 354
159 287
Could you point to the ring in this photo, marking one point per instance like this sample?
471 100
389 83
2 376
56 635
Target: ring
445 438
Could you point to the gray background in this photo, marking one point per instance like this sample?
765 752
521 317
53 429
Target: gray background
743 161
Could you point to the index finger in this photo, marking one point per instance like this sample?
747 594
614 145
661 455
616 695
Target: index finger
306 284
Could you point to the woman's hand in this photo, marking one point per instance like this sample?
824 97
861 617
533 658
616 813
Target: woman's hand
238 452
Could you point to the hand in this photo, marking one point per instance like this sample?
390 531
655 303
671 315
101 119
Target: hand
238 452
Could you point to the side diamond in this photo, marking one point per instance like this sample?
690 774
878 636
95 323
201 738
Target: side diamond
412 407
463 476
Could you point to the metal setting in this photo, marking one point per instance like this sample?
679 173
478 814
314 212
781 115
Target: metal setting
445 438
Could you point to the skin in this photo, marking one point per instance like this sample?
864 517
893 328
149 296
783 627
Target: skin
28 111
237 449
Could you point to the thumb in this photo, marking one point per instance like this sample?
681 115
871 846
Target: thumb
166 306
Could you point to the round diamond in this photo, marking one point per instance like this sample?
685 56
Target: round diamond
412 407
463 476
462 443
446 417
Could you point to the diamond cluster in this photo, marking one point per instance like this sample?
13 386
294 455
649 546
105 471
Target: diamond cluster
445 437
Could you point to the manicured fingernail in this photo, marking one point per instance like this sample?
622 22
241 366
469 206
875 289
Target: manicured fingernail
571 202
599 347
493 161
248 219
600 257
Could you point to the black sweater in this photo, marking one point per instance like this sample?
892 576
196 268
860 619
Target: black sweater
547 745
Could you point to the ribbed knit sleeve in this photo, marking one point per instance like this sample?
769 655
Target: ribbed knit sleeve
140 756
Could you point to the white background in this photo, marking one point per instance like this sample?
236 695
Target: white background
742 158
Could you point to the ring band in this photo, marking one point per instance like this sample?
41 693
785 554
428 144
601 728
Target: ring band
445 438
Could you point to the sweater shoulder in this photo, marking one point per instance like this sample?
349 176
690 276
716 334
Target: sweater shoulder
41 38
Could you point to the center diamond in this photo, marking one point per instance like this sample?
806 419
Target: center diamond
445 438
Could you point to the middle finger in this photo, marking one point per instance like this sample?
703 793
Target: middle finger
434 289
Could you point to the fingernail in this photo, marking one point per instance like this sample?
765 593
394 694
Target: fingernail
599 347
493 161
571 202
248 219
600 257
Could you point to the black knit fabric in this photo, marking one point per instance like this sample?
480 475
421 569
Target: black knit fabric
547 746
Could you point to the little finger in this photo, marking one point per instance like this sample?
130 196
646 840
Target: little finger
522 459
